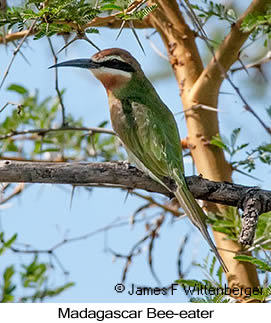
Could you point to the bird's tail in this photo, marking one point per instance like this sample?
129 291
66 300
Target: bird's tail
195 214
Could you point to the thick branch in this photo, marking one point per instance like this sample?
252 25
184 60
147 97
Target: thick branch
184 56
15 36
252 206
179 40
119 174
226 54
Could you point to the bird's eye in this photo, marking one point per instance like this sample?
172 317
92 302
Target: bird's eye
116 61
117 64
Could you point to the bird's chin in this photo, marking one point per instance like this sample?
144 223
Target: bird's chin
111 80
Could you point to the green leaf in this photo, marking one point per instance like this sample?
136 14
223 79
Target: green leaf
217 141
234 136
213 9
7 287
10 241
6 244
92 31
262 265
262 294
219 274
46 292
103 124
140 14
34 274
17 88
190 282
268 110
111 7
49 150
198 300
211 270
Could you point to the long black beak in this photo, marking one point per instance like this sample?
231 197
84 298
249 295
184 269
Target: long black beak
81 62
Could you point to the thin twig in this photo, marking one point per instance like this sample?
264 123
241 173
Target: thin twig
17 190
199 106
43 132
18 105
112 225
256 246
15 52
77 37
21 53
136 36
153 236
257 64
133 252
224 73
181 273
64 124
121 28
165 207
248 108
4 106
154 47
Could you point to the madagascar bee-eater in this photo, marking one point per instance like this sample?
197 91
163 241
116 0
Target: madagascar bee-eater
145 125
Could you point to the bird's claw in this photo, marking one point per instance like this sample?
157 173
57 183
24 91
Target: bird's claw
127 164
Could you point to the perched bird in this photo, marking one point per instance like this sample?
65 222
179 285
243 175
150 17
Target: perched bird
145 125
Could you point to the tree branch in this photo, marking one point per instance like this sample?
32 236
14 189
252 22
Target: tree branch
16 51
112 22
179 40
120 174
44 131
212 76
252 205
202 125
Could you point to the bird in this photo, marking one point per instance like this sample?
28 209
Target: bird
146 127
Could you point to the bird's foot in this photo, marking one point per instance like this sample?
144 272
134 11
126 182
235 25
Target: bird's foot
127 164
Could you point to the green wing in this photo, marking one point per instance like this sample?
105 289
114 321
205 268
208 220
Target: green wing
152 136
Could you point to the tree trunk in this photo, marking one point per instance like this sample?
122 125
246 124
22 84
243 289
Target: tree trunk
201 86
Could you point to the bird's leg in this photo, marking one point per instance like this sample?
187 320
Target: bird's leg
127 164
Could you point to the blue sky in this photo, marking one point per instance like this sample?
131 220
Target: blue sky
42 215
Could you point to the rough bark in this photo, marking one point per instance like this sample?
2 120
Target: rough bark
120 174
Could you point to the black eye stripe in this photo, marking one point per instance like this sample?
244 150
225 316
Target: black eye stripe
118 65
